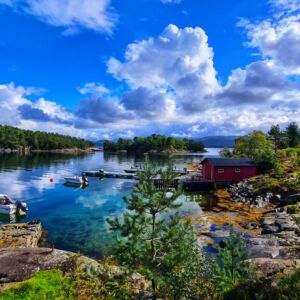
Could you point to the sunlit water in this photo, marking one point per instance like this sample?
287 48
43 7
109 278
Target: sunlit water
75 219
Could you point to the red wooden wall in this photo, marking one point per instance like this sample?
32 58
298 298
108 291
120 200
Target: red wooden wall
211 173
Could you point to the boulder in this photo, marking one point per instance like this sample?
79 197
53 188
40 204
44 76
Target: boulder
270 229
271 268
267 221
286 224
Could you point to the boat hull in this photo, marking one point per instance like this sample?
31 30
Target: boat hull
8 209
77 181
130 171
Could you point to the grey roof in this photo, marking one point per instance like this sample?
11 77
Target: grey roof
227 162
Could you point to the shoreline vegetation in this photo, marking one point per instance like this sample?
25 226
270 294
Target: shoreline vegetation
15 140
154 143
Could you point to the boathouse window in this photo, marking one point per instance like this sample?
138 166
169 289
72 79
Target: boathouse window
220 170
237 170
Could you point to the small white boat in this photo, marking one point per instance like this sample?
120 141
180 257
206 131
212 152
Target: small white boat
9 206
134 169
76 180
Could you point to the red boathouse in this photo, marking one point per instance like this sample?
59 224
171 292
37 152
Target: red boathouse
227 169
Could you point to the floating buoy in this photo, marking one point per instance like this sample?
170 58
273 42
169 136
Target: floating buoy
51 179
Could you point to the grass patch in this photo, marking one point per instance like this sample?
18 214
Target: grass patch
43 285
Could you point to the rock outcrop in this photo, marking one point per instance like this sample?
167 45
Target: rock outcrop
20 235
243 192
20 264
277 248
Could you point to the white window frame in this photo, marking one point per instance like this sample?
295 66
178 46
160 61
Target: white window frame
221 171
237 170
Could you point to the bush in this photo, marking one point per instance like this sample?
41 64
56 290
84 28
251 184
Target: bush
43 285
289 152
287 288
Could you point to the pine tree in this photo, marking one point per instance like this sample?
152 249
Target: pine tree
155 241
293 134
231 264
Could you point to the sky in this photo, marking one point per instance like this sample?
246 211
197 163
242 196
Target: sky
103 69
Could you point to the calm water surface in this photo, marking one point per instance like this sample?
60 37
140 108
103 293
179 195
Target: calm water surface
75 218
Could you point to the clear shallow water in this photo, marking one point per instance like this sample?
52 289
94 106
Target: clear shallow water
73 218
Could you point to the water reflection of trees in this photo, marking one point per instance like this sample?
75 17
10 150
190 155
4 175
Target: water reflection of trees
158 158
134 159
33 160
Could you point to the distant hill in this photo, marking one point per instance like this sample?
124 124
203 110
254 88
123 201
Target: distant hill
218 141
99 143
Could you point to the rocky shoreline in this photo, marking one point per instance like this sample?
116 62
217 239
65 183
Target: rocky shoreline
64 151
272 234
277 248
21 257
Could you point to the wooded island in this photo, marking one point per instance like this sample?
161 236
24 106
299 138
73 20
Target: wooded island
18 139
154 143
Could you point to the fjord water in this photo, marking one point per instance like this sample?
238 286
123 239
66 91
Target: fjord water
74 218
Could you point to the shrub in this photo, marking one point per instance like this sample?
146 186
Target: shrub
231 266
287 288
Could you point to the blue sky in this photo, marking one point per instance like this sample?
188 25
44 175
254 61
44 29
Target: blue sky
194 68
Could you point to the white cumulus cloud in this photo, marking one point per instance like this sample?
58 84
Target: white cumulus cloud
93 88
72 15
179 60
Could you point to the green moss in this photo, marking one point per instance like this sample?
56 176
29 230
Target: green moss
43 285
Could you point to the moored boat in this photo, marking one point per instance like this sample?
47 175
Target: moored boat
9 206
134 169
76 180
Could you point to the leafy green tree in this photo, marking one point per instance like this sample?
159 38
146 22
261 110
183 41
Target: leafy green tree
154 241
293 134
278 137
258 147
225 152
231 267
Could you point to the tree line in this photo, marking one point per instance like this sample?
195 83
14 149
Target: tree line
264 148
155 143
290 137
15 138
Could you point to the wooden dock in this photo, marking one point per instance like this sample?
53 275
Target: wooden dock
110 174
191 181
116 174
166 184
